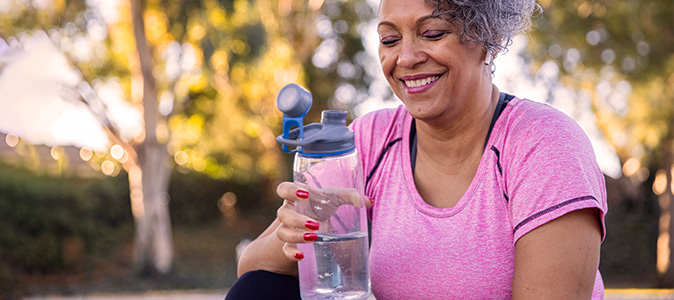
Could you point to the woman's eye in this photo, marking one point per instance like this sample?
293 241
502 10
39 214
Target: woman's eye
387 41
434 34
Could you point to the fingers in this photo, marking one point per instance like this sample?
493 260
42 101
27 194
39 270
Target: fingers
291 252
291 191
293 236
359 200
295 228
353 197
294 192
287 215
349 196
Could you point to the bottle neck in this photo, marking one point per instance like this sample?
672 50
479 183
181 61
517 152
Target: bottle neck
329 154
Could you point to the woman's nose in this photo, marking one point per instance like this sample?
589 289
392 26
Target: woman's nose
410 54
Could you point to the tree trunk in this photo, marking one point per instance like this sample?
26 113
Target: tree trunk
665 247
153 248
153 243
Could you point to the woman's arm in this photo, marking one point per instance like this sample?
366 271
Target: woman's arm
559 259
275 249
265 253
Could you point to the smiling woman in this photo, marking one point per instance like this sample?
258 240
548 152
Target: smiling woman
479 194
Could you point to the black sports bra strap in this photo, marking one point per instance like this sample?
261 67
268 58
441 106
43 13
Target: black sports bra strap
503 100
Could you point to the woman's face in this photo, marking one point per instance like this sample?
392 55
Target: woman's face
425 64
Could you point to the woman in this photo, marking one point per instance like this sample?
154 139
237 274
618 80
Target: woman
476 194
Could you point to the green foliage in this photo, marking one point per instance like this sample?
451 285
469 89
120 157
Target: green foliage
195 198
49 223
25 16
347 20
41 214
617 56
638 32
608 48
67 224
628 253
221 63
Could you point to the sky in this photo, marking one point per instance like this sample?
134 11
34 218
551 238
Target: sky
39 102
31 96
39 88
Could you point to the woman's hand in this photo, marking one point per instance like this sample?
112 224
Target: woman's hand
318 205
295 228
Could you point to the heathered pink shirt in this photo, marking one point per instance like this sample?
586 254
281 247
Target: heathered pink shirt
538 165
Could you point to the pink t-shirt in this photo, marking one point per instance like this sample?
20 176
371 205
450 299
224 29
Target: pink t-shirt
538 165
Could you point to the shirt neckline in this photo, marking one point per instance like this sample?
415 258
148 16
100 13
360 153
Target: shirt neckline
500 106
409 141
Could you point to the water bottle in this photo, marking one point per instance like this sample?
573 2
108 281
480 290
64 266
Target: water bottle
326 164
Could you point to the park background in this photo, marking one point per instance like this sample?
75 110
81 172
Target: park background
137 147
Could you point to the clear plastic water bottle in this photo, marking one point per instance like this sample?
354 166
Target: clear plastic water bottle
326 164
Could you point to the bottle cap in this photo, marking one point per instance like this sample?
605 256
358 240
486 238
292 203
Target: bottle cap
328 138
293 100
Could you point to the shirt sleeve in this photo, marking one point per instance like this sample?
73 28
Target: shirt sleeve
549 169
373 133
363 130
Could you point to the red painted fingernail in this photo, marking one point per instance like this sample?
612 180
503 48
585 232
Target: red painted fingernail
371 201
302 194
299 255
311 225
310 236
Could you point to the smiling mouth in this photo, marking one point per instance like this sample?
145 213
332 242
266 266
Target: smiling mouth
420 82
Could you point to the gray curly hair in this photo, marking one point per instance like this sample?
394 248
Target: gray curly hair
490 23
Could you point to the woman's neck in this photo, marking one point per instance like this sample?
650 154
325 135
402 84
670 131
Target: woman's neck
460 139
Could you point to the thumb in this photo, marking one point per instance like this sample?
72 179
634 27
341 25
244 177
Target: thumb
369 202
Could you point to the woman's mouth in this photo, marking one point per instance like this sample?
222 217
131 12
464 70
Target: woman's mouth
418 85
420 82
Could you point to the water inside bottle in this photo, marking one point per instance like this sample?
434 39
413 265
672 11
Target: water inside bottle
335 267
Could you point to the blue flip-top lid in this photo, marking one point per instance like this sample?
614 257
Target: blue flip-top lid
330 137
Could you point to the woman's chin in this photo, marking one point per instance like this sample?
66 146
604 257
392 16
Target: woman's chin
421 112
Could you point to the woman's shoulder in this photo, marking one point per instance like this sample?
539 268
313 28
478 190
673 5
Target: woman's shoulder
375 130
534 127
529 110
530 118
530 127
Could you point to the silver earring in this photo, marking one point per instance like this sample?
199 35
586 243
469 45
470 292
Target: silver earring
487 58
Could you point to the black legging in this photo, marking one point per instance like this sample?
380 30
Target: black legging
264 285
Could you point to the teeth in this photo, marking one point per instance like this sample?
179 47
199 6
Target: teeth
420 82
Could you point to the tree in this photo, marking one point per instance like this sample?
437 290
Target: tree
620 56
204 74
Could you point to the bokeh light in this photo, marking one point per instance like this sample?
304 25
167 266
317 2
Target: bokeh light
631 166
108 167
180 157
199 164
660 182
116 151
226 204
12 140
86 154
57 152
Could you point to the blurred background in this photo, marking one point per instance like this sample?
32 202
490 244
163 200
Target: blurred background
137 147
